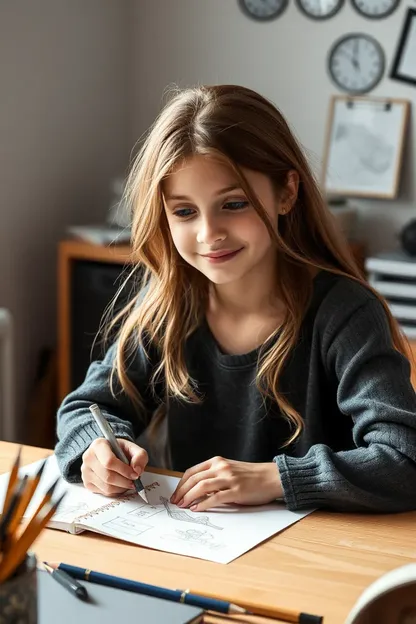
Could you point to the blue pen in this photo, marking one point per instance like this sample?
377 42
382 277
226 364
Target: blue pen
175 595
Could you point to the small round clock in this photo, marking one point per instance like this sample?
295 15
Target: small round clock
320 9
375 9
356 63
263 10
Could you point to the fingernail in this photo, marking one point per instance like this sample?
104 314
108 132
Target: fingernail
172 499
181 503
133 475
193 507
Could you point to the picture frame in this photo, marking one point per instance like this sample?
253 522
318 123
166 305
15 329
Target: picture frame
404 62
364 146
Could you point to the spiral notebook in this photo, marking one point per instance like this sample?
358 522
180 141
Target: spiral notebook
220 535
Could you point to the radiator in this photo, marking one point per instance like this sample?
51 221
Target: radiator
8 428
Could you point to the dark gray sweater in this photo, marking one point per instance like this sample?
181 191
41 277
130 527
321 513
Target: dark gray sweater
358 447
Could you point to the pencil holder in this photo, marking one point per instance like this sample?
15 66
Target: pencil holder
18 595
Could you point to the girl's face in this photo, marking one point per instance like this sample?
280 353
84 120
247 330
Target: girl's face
213 225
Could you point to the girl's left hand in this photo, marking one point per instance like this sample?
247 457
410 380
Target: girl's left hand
218 481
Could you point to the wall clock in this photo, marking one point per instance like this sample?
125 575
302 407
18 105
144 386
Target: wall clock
356 63
320 9
375 9
263 10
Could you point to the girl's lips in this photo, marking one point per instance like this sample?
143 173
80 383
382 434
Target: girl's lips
223 257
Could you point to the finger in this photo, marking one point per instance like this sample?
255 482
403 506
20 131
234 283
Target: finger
205 486
93 483
111 478
198 468
136 455
109 461
192 481
219 498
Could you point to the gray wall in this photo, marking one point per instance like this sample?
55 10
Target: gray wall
82 79
188 41
64 76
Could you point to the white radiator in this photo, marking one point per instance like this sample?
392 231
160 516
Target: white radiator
7 421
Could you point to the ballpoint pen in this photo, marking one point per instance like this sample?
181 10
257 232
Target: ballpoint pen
107 432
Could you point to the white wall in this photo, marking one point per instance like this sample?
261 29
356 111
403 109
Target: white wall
64 81
212 41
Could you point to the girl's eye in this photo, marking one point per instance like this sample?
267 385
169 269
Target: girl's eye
236 205
183 212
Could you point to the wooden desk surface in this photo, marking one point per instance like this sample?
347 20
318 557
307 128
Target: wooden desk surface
319 565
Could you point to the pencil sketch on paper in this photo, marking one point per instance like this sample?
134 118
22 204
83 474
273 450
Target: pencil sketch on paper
72 509
126 526
146 511
368 148
180 514
195 536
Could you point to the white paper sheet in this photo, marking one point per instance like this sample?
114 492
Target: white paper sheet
220 535
78 500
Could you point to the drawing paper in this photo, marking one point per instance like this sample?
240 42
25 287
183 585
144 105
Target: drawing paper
220 535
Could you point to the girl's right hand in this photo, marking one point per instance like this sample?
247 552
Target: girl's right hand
103 473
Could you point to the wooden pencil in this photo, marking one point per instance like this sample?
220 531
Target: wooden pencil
11 508
31 485
286 615
12 480
14 556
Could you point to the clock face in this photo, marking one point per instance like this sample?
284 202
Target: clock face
320 9
375 9
263 9
356 63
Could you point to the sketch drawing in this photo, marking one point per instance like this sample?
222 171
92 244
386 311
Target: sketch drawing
195 536
368 148
146 511
180 514
125 526
72 509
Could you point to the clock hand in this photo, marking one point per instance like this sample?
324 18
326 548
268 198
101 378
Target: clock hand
355 61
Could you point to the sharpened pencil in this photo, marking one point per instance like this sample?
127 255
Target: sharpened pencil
12 480
14 556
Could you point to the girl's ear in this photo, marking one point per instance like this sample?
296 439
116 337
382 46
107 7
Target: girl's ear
290 192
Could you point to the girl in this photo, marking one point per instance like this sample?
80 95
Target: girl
253 342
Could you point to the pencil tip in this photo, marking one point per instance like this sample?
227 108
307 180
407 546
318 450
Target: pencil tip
51 564
142 493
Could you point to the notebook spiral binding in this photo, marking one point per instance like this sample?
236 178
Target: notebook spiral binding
96 512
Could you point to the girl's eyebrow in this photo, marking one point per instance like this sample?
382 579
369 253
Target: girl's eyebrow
226 189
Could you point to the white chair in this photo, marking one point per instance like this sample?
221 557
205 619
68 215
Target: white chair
7 421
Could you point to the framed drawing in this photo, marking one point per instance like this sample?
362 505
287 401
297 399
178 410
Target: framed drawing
364 146
404 63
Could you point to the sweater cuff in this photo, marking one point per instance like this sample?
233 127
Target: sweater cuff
70 449
302 481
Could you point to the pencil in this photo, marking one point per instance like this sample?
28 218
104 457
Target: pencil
173 595
108 433
14 556
286 615
14 502
31 485
69 583
12 480
47 497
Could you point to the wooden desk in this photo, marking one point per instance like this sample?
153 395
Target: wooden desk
319 565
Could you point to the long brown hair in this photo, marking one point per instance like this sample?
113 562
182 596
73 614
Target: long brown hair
245 130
